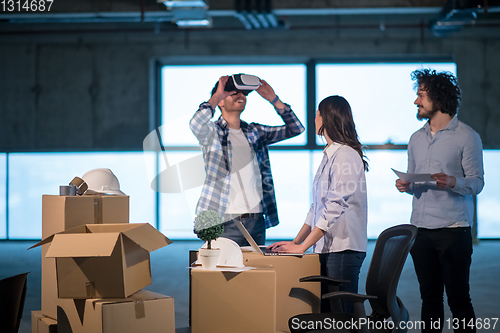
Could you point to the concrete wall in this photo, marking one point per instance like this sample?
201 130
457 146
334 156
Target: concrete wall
91 90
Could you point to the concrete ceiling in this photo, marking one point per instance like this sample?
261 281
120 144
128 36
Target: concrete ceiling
297 14
96 6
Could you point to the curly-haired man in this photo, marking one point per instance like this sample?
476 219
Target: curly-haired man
443 210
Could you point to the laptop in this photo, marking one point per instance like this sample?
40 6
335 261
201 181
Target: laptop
260 249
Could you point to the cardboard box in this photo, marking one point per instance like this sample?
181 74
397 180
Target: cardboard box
60 213
103 260
42 324
292 296
49 285
50 301
228 302
143 311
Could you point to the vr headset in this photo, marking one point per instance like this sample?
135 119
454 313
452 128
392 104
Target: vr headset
243 83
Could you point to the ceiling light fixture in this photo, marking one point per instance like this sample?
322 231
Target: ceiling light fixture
189 13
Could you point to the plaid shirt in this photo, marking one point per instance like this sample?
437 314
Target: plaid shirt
217 153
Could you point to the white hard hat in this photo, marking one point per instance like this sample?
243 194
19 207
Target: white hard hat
230 252
102 181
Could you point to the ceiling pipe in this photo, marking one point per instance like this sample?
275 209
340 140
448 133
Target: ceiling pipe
143 9
162 16
154 29
256 14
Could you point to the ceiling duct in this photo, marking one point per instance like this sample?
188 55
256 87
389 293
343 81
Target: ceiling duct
456 14
256 14
189 13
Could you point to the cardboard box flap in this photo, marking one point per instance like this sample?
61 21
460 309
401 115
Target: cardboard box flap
139 296
111 227
147 237
43 242
143 234
146 294
46 240
82 245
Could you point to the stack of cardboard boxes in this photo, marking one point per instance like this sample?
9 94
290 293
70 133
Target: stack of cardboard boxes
258 300
94 266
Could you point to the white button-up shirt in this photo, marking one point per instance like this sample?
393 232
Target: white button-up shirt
339 204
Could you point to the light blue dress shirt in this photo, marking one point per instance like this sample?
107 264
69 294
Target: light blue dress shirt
339 204
456 151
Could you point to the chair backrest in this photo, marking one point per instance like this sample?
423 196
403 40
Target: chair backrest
389 257
12 296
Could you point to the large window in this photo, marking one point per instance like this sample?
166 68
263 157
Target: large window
177 203
291 170
32 175
184 88
292 182
381 96
386 205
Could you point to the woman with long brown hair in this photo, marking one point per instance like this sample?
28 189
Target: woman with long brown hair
336 223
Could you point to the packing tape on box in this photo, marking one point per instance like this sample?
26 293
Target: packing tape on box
67 190
140 311
81 188
98 210
90 289
81 185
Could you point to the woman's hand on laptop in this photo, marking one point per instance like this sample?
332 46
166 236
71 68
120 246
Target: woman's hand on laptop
286 247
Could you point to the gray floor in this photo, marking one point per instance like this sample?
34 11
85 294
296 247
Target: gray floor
170 277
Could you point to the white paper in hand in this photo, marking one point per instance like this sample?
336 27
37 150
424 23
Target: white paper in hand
414 177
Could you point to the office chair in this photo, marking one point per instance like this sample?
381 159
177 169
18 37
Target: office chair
389 257
12 296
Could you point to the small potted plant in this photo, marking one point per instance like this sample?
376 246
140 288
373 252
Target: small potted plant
208 226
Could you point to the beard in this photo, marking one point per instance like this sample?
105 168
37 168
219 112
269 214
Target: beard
426 115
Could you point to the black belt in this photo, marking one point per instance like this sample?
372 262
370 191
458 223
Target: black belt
243 216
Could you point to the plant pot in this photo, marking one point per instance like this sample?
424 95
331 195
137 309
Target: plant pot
208 258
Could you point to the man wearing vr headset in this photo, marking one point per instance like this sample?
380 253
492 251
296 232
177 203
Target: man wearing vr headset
239 183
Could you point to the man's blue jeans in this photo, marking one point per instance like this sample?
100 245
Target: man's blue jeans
255 225
341 265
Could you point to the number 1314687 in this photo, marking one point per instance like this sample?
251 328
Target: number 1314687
19 6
